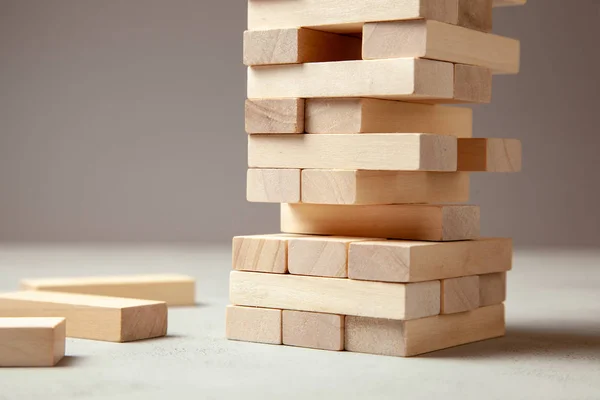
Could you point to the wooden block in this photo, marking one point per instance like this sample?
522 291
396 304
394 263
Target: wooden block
273 185
492 289
112 319
264 116
313 330
472 84
359 187
335 296
31 342
489 155
438 41
174 289
475 14
413 222
380 151
251 324
386 116
410 261
261 253
297 46
504 3
410 338
460 294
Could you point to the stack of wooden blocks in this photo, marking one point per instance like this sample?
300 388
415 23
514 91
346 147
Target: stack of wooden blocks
348 130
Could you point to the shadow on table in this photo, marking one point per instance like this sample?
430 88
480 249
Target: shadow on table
70 361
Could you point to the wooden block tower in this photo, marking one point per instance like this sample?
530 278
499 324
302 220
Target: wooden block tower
350 130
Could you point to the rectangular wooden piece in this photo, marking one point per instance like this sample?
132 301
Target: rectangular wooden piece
460 294
252 324
489 155
273 185
265 116
492 288
313 330
31 342
261 253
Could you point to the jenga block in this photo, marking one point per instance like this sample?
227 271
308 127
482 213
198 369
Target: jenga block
413 222
173 289
31 342
250 324
335 296
410 261
264 116
489 155
112 319
438 41
410 338
261 253
492 289
381 151
313 330
475 14
472 84
386 116
504 3
460 294
359 187
273 185
297 46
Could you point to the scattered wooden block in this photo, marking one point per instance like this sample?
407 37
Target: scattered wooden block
489 155
492 288
112 319
409 261
31 342
413 222
359 187
438 41
298 46
472 84
273 185
381 151
460 294
313 330
411 338
504 3
261 253
265 116
251 324
475 14
335 296
174 289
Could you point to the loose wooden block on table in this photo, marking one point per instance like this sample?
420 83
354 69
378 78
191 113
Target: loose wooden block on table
492 288
460 294
251 324
335 296
411 338
265 116
489 155
31 342
410 261
261 253
113 319
313 330
381 151
273 185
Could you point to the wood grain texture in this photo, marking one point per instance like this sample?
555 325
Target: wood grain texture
410 261
492 288
475 14
460 294
273 185
174 289
472 84
504 3
264 116
411 338
32 342
313 330
402 152
412 222
261 253
489 155
113 319
335 296
252 324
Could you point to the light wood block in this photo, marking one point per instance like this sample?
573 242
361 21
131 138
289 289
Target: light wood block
173 289
381 151
31 342
438 41
313 330
386 116
250 324
335 296
297 46
412 222
492 289
411 338
460 294
472 84
113 319
359 187
261 253
265 116
489 155
410 261
273 185
475 14
504 3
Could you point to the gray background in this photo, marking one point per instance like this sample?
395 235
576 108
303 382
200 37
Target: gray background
122 120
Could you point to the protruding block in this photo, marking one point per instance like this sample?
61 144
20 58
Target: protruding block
31 342
252 324
460 294
410 261
472 84
492 289
113 319
313 330
266 116
261 253
489 155
410 338
475 14
273 185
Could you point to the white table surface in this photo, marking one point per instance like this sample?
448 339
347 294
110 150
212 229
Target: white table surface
551 350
